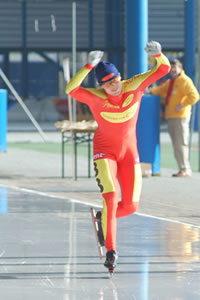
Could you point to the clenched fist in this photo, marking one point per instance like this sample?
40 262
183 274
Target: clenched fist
153 48
94 57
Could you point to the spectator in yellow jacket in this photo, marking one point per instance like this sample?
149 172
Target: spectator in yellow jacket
180 94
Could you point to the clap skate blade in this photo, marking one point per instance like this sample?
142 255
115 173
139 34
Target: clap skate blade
100 249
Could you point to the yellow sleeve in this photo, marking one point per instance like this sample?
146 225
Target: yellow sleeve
77 79
144 80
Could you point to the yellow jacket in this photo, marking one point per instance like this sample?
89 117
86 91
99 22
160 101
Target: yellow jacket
183 92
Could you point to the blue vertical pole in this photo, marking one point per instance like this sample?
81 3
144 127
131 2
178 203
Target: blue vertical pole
137 36
91 37
189 40
189 52
3 120
114 34
25 75
136 40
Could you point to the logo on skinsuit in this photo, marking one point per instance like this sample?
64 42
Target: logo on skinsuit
109 105
120 117
99 155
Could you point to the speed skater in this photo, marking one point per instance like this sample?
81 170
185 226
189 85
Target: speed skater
115 106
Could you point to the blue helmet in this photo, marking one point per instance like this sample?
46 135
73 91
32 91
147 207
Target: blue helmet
105 72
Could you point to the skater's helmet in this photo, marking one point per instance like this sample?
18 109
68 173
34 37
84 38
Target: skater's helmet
105 72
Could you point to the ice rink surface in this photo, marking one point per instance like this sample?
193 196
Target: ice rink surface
48 251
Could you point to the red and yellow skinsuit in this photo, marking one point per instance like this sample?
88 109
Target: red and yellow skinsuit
116 159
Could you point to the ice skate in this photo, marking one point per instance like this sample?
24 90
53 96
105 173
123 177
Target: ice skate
98 230
111 260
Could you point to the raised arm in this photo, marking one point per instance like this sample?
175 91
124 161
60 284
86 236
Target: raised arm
161 68
93 59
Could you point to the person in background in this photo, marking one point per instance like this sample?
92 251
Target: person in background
115 106
179 95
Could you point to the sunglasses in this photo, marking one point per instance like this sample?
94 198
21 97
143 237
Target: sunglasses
116 79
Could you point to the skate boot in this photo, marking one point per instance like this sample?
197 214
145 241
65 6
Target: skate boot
100 231
111 260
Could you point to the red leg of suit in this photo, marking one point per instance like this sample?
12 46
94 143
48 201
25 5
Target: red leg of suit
130 180
107 174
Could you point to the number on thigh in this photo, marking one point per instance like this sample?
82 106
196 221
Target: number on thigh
103 169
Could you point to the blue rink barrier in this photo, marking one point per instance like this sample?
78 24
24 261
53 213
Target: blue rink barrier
3 120
148 132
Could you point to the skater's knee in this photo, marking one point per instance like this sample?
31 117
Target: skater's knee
125 210
132 208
